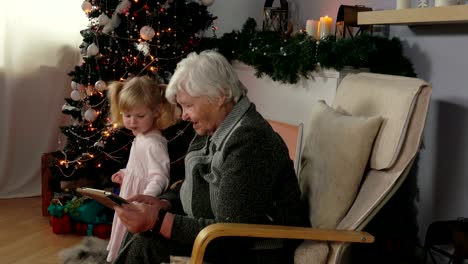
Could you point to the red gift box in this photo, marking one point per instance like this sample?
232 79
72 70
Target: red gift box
61 225
102 231
81 228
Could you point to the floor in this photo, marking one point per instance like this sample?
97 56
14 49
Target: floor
26 236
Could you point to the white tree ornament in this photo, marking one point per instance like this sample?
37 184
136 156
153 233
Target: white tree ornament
86 6
143 47
147 33
68 107
92 50
100 85
99 144
75 85
76 95
90 115
115 22
103 19
123 7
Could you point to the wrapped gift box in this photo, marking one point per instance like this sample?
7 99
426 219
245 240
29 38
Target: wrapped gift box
61 225
102 231
81 228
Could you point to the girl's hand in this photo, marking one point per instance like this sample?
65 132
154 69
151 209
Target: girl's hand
118 177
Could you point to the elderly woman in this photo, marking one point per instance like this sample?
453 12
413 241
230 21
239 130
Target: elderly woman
237 170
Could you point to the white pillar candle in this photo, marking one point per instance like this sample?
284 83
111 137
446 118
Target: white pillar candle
402 4
445 2
325 25
312 28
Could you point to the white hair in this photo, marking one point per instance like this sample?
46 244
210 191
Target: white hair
206 74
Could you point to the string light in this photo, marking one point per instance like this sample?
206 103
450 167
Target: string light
87 156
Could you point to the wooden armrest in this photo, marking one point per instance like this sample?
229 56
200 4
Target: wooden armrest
213 231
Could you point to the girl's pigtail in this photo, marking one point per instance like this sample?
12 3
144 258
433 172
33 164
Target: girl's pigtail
168 112
114 97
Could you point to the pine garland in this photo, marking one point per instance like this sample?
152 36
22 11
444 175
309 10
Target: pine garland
287 59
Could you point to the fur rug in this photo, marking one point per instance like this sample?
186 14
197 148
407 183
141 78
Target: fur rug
91 250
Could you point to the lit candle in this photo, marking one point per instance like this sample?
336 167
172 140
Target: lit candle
445 2
325 25
312 28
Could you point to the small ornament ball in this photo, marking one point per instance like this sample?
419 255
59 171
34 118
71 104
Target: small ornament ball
99 144
76 95
147 33
75 85
207 2
86 6
90 115
100 85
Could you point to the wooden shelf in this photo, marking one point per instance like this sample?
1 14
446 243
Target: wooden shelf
416 16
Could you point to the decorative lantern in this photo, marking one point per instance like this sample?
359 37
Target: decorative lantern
275 19
346 21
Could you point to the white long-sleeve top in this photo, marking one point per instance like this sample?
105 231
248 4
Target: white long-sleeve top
147 172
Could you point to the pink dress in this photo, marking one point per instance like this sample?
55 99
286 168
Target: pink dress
147 172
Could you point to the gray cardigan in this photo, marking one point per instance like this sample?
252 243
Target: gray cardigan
241 174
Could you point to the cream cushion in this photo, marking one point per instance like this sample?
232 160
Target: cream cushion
336 152
311 252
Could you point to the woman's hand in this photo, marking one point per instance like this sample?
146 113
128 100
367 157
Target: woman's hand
142 213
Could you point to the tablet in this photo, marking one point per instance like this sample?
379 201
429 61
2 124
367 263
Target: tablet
104 197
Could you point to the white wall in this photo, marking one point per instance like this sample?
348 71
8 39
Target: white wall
38 46
233 14
440 56
286 102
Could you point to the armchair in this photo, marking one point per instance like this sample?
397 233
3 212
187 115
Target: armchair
292 136
356 153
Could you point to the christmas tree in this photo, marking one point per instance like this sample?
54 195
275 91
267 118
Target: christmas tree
124 39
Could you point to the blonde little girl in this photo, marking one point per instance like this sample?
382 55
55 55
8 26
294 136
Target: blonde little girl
139 105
